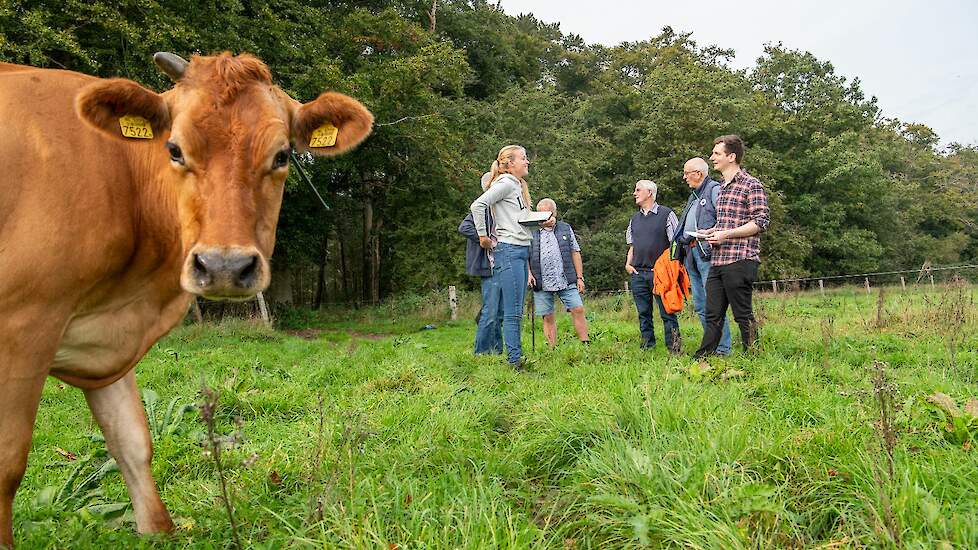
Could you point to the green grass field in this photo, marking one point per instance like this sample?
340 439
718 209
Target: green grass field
361 431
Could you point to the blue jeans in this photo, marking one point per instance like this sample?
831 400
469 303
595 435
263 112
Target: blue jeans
698 268
642 285
489 333
511 270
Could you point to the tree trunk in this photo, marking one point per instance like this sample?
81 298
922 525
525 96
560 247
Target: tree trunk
317 300
375 269
343 270
367 249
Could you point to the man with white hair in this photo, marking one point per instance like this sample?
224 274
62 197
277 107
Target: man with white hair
649 233
700 213
556 270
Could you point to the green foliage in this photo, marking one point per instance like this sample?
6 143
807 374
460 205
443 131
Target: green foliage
850 190
81 493
166 422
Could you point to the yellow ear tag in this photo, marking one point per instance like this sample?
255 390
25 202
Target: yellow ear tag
135 127
324 136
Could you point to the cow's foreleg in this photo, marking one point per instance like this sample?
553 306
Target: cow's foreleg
119 413
19 397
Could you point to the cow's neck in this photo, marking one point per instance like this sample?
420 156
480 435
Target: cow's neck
156 221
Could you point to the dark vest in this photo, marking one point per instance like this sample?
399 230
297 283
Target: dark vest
706 214
563 233
649 239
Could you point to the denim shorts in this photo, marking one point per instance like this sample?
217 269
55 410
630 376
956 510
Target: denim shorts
543 300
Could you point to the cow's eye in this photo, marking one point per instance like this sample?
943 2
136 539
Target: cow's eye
281 159
176 155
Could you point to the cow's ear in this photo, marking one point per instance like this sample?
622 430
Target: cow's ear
102 104
331 124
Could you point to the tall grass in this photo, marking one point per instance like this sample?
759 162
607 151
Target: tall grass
370 432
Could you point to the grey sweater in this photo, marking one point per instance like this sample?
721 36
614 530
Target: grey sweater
505 197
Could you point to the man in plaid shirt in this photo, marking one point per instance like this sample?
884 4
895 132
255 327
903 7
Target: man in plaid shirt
742 214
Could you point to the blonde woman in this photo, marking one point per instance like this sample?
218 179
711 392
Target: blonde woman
509 199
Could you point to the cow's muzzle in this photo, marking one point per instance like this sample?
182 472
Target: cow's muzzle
224 273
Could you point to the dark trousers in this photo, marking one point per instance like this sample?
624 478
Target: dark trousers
733 285
642 284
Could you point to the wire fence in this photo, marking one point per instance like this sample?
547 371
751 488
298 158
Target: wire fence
924 274
927 274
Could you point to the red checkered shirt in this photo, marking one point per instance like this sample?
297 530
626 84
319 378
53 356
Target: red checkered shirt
741 200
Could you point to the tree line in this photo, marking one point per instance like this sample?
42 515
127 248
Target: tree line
452 81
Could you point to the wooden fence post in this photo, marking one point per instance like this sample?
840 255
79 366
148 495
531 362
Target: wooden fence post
453 302
903 283
263 309
821 287
867 286
932 281
774 285
198 315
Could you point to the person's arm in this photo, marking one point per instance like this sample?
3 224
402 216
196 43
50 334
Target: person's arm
530 280
760 213
579 267
485 201
467 228
672 223
749 229
628 260
479 207
576 258
757 210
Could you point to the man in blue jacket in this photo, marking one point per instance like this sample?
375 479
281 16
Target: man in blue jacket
479 262
700 213
556 270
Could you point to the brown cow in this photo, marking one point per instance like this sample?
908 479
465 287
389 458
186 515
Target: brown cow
104 239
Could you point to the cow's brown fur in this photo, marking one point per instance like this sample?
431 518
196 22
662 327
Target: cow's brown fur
98 233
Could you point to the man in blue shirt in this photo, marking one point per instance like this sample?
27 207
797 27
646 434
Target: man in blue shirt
556 270
700 213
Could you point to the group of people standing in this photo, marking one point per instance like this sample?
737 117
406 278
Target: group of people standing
510 255
716 238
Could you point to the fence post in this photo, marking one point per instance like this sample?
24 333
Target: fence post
903 283
932 281
453 302
774 285
198 315
626 285
867 286
821 287
263 309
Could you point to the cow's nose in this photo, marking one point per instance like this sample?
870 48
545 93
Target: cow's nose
239 269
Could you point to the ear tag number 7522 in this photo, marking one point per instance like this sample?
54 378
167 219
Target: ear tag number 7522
324 136
135 127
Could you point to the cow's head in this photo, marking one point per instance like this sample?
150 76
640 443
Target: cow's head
222 139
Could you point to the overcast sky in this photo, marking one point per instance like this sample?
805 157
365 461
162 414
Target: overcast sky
918 58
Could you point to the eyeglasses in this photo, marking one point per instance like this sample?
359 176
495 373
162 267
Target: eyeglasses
688 172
